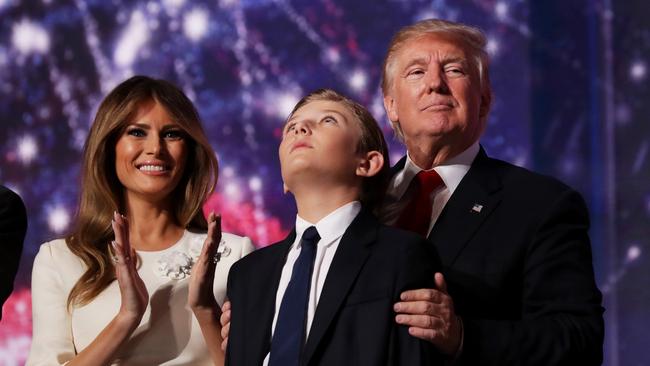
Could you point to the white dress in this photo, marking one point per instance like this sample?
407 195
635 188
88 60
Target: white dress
168 334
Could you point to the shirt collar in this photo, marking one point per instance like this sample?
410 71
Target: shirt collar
451 171
332 226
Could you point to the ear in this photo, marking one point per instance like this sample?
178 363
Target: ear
486 102
391 110
370 164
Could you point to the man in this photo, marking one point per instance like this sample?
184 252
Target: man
518 285
13 225
324 295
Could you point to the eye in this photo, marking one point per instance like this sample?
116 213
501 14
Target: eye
329 119
454 71
289 127
173 134
136 132
415 73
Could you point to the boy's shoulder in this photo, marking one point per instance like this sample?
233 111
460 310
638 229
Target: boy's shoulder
262 256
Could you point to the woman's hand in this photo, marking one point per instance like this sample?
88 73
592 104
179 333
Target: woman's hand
133 292
201 294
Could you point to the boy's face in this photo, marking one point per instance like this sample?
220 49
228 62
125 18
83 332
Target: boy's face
320 140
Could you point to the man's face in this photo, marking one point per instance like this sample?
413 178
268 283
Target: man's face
435 93
320 140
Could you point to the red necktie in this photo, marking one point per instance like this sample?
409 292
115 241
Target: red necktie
416 216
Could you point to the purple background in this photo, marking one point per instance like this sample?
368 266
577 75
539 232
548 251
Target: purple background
570 80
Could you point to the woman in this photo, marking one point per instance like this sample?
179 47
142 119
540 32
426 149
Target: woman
118 290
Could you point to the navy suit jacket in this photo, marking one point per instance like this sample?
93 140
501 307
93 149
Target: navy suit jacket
517 260
354 323
13 225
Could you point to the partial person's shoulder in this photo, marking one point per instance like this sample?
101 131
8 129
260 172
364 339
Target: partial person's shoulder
404 247
55 248
57 253
404 237
9 196
234 246
11 203
240 246
515 176
259 257
400 242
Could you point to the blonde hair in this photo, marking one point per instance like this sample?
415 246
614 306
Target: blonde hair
372 139
102 193
471 38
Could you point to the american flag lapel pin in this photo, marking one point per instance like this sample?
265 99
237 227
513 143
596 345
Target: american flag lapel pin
476 208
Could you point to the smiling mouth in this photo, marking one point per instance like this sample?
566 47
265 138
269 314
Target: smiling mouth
152 168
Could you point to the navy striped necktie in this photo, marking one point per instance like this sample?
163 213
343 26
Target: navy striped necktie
289 335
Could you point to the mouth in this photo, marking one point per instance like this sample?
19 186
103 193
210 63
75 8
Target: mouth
153 168
438 107
299 145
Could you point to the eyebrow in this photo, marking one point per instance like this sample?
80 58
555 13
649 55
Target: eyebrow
148 127
416 61
331 111
444 61
455 59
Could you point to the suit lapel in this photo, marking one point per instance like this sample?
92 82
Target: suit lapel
258 333
348 261
472 202
398 166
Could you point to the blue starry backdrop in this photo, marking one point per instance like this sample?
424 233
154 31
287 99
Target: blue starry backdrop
570 79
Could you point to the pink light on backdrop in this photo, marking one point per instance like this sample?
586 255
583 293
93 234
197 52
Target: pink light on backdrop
16 328
245 219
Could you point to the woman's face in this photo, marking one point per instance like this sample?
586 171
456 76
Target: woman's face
151 153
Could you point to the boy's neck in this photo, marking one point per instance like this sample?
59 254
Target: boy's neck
314 205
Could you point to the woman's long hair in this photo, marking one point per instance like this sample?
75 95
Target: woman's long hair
102 193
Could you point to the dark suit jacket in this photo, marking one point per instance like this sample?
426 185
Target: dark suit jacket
520 270
354 322
13 225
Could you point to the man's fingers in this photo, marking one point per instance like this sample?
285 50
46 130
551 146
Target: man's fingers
423 333
420 321
423 294
224 344
224 319
226 307
422 308
225 331
441 284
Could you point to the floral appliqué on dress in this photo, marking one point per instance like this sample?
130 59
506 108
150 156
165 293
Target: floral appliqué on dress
177 264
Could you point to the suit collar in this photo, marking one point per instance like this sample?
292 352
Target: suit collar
451 171
350 256
478 193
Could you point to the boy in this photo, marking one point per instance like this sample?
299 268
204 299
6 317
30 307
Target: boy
324 295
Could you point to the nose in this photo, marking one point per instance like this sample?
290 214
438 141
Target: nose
153 144
436 82
302 128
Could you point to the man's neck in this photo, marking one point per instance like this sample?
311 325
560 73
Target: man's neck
429 154
313 205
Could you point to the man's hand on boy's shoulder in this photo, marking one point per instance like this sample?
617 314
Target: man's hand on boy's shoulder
224 319
429 314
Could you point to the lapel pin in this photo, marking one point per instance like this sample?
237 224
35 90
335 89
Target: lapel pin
477 208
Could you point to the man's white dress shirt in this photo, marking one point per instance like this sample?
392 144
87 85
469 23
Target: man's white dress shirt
399 193
331 229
